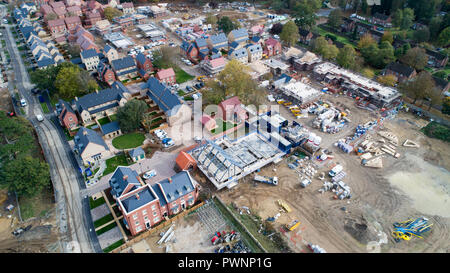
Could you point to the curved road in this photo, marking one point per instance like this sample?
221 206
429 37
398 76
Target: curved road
76 228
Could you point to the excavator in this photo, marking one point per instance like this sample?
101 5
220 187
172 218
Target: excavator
409 228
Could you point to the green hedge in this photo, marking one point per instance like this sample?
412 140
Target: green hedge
113 246
105 229
105 219
436 130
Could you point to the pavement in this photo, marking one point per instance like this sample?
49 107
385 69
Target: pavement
74 220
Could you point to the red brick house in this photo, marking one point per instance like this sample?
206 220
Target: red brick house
75 10
67 117
58 6
143 206
57 26
190 50
272 47
92 18
400 71
232 110
72 22
105 73
144 65
60 13
166 76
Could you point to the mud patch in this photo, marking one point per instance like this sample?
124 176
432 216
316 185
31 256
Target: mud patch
426 185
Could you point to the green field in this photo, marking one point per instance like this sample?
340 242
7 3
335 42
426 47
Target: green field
128 141
181 75
339 38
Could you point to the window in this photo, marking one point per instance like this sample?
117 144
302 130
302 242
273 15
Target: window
138 229
146 218
135 216
137 223
144 212
154 213
154 206
155 220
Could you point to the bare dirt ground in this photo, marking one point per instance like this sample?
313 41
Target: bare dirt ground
5 100
377 200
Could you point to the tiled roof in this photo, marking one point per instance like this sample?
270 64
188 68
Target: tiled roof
72 19
127 5
238 53
141 58
180 185
218 39
89 53
110 127
96 98
56 22
156 188
400 68
45 62
239 33
162 96
435 54
137 152
119 184
165 73
85 136
132 202
254 48
201 42
218 62
123 63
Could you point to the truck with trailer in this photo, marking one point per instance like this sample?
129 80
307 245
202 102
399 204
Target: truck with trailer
266 179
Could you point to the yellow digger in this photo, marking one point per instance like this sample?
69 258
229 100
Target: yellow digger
293 225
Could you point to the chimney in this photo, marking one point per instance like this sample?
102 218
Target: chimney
84 133
170 180
137 196
125 177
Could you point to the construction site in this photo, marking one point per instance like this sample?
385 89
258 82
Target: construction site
368 188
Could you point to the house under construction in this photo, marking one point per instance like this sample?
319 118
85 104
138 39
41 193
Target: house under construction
224 161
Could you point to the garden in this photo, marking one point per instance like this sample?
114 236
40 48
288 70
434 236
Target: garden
128 141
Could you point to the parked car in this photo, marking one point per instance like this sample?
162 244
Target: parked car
160 133
23 102
198 86
10 114
168 142
39 118
189 88
149 174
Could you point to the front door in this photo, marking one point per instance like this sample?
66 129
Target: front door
147 225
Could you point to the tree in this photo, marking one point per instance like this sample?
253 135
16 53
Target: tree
211 19
225 24
386 55
73 81
415 57
290 34
305 16
388 80
276 29
27 176
323 47
17 134
387 36
277 5
130 115
424 9
446 106
434 97
403 18
365 41
419 87
444 37
435 27
74 50
44 78
441 74
346 57
111 13
335 18
368 73
421 35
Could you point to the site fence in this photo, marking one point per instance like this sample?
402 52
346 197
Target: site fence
162 225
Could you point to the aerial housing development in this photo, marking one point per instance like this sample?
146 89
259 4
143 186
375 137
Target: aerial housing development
224 127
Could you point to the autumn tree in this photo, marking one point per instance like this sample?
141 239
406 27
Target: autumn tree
419 87
403 19
111 13
434 97
368 73
444 37
365 41
387 36
290 34
73 81
388 80
415 57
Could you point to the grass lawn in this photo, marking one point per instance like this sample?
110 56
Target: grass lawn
105 219
95 203
222 126
181 92
113 246
339 38
103 121
128 141
105 229
112 163
113 117
45 107
188 97
181 75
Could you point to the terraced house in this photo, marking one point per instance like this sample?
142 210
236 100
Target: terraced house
90 59
124 68
218 42
239 36
101 103
143 206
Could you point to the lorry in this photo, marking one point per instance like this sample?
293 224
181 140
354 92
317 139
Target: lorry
293 225
336 169
266 179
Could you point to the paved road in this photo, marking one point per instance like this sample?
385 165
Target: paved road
72 208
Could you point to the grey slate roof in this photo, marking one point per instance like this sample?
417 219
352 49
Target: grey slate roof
137 152
89 53
112 94
85 136
141 58
123 63
254 48
181 185
159 193
118 184
400 68
162 96
132 202
110 127
201 42
240 33
107 48
239 53
218 39
45 62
